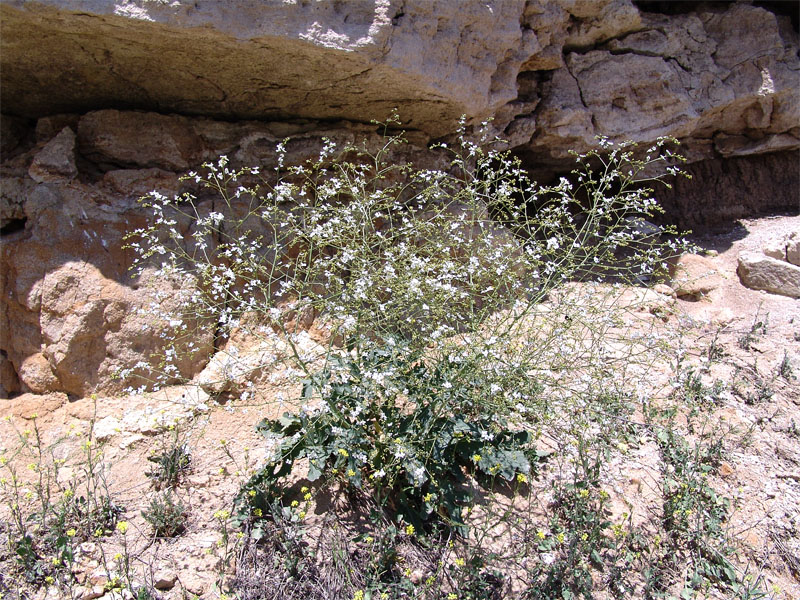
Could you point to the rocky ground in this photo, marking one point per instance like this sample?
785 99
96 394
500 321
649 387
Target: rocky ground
743 344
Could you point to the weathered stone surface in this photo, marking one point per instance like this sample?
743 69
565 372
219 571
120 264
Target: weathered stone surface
775 249
56 161
760 272
695 276
793 249
151 89
71 316
165 579
725 73
355 60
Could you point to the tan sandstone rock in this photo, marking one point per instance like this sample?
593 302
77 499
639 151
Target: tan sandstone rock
760 272
695 276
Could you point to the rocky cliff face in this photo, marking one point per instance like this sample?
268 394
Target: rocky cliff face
105 101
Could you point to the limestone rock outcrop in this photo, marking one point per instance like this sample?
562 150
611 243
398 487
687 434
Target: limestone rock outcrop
104 101
552 74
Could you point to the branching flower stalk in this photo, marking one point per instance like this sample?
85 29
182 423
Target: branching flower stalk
466 299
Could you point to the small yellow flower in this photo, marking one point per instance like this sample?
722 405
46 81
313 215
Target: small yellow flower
118 556
541 534
343 452
560 538
222 515
369 539
460 562
122 527
251 493
428 497
476 458
521 478
223 442
49 579
32 467
302 514
258 512
98 533
452 596
71 533
410 529
56 561
359 595
583 493
303 489
295 503
351 473
307 496
239 535
68 494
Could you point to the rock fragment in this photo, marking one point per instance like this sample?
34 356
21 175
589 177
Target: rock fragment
760 272
694 276
56 161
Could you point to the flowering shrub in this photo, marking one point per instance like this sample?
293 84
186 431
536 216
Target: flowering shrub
461 304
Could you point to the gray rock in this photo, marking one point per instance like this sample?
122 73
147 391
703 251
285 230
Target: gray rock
56 161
